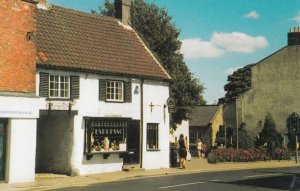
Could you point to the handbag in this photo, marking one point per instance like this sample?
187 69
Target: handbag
188 156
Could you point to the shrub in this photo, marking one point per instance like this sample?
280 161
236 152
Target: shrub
283 154
257 154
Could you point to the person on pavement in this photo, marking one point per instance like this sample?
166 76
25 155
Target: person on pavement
182 151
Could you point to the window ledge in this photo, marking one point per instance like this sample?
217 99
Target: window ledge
108 152
153 150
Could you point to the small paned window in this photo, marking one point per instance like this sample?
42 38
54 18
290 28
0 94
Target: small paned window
114 91
59 86
152 136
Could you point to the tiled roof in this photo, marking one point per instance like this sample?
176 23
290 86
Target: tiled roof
202 115
69 39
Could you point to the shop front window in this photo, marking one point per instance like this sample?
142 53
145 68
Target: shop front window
106 135
152 136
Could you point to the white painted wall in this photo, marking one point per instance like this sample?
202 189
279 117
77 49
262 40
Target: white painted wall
157 93
88 105
20 156
183 128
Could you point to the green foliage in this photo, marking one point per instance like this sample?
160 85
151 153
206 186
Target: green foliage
292 124
269 133
207 138
156 29
245 139
220 136
238 83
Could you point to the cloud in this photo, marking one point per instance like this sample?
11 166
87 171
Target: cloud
252 15
220 43
230 71
196 48
297 17
238 42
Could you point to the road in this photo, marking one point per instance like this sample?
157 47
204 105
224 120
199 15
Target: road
256 179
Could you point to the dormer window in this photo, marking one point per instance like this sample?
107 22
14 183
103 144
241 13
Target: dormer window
59 86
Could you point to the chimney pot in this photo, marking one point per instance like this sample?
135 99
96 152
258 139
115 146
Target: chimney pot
294 36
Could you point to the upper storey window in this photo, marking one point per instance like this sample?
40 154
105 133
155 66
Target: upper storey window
53 86
59 86
115 91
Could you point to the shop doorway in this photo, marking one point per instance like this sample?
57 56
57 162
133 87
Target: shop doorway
3 124
133 144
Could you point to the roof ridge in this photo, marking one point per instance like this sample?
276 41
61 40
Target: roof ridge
82 13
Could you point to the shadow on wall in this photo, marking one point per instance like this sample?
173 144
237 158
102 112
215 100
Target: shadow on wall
54 144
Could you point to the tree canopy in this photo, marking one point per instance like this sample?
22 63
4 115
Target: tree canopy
238 83
269 133
154 26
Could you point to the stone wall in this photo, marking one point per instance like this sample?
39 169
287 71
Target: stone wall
275 89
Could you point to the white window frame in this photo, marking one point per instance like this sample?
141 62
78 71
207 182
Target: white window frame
58 87
115 91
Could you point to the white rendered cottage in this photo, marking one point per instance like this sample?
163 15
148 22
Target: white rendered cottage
102 96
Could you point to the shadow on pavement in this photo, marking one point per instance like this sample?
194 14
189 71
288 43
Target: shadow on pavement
283 182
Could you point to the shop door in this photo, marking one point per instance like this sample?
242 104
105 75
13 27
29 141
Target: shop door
133 143
3 123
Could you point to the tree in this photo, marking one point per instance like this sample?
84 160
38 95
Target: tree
245 139
238 83
154 26
269 133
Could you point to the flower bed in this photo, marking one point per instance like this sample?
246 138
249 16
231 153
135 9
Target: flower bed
232 155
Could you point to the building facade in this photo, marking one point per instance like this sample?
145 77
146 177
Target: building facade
80 94
274 89
205 122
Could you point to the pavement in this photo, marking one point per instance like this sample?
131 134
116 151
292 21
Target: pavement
196 165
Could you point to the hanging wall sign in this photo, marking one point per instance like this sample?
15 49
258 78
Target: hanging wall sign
171 105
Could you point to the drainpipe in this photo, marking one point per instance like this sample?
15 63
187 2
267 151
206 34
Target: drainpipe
142 122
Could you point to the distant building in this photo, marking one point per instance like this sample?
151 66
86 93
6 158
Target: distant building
275 89
204 124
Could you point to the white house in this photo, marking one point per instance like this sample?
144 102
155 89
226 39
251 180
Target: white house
97 83
72 82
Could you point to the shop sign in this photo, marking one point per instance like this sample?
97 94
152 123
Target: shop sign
111 132
171 105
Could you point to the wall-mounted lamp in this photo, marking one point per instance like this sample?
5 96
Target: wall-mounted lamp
136 89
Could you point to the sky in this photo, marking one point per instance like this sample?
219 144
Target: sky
219 36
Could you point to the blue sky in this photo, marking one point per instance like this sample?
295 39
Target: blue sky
221 35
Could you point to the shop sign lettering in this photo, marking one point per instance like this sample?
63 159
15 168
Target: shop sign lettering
109 132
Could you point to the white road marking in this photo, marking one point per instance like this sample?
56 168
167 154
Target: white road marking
216 180
262 175
178 185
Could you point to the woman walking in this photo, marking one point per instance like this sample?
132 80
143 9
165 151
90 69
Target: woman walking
182 150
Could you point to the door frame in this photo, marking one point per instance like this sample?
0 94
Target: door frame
5 122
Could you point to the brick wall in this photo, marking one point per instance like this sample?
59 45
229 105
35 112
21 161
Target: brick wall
17 53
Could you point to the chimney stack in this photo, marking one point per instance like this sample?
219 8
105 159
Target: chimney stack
122 8
294 36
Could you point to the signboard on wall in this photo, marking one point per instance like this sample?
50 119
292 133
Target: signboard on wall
16 107
171 105
111 132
